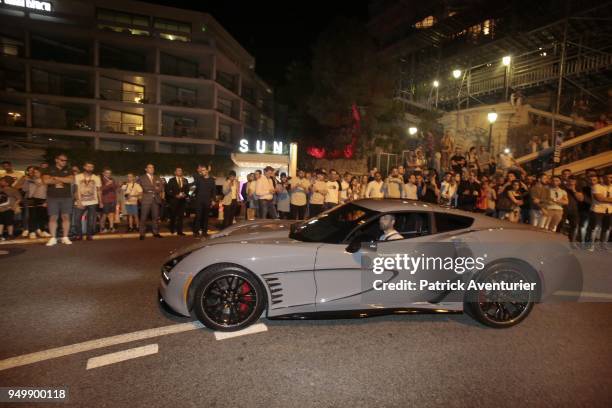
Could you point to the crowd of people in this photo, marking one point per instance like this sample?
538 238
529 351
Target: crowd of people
87 203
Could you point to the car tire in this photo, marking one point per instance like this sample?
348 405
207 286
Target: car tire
502 315
228 298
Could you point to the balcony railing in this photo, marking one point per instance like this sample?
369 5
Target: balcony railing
126 96
186 102
227 111
186 131
577 149
225 137
136 129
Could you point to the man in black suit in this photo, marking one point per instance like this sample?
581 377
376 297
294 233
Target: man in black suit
152 199
204 197
177 190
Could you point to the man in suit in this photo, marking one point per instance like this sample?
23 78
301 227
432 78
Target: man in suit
204 197
177 190
231 187
152 197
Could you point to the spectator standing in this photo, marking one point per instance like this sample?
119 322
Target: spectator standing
458 161
375 187
282 197
177 190
447 144
539 196
9 205
393 185
448 189
317 198
468 192
132 193
299 190
601 209
572 213
264 190
332 198
152 199
230 198
35 193
345 187
109 201
557 200
410 188
59 180
204 198
88 199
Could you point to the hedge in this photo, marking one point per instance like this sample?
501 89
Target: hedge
122 163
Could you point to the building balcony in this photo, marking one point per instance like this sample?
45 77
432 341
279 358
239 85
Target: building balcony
134 129
126 96
190 132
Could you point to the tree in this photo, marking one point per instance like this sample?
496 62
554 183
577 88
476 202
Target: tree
347 70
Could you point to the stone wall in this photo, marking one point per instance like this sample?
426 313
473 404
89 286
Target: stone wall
353 166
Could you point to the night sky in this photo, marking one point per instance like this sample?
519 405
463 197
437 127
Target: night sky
275 32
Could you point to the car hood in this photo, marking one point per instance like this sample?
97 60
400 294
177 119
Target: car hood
258 231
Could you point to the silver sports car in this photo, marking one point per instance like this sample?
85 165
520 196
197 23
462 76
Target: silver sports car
323 267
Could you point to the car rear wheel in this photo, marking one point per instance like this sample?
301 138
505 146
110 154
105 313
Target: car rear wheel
502 308
228 298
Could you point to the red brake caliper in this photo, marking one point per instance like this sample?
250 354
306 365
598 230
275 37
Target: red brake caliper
244 289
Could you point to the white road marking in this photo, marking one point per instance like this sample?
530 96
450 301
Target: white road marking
39 356
256 328
120 356
584 294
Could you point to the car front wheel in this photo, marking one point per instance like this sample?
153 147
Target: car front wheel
228 298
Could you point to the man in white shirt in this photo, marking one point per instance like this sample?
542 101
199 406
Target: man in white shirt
410 188
601 208
558 199
299 189
88 199
317 198
230 198
345 183
264 190
375 187
393 185
387 225
332 198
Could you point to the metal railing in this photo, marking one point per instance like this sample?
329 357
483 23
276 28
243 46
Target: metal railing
136 129
596 142
186 131
126 96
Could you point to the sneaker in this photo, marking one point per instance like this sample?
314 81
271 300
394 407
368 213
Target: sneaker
33 235
51 242
25 233
112 230
66 241
45 234
103 231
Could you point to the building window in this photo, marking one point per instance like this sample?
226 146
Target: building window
171 65
121 17
115 90
124 30
225 132
427 22
121 122
224 106
172 25
174 37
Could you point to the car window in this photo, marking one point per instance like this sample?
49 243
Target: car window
451 222
332 226
409 224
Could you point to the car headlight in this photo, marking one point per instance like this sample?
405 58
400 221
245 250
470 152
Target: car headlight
168 266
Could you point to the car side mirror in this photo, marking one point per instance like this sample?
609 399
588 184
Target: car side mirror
354 245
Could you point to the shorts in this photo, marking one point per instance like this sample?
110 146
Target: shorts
109 208
59 205
7 217
131 209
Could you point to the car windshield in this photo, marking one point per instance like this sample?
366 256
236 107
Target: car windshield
332 226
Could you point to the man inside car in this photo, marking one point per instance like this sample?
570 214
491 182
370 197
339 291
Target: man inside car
387 225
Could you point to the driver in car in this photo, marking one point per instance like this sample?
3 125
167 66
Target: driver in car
387 225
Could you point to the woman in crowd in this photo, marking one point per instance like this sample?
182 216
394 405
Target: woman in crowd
36 201
282 197
132 193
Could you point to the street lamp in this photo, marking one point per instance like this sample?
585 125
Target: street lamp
412 130
506 60
456 73
436 84
491 117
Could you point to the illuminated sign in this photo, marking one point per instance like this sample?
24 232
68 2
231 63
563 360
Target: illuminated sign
261 146
29 4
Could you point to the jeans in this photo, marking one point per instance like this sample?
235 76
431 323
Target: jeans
601 226
91 219
554 219
584 226
537 218
266 208
298 212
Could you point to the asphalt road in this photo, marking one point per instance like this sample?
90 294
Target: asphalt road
53 297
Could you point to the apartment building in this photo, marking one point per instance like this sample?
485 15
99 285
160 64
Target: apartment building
126 75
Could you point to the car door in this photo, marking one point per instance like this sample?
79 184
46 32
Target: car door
344 277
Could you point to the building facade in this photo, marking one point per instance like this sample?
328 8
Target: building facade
128 76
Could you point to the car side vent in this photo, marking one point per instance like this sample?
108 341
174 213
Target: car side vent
276 290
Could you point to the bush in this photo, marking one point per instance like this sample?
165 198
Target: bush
122 163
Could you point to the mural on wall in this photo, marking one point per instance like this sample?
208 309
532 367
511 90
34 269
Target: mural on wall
471 132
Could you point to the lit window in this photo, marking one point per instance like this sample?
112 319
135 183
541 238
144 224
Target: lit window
173 37
427 22
172 25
